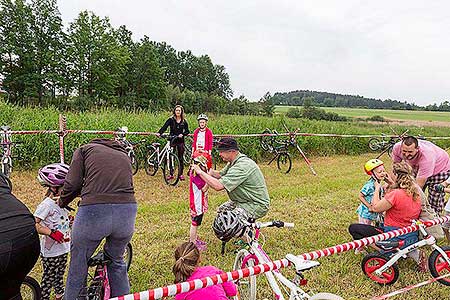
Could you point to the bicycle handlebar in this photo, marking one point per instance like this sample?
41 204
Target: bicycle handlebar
277 224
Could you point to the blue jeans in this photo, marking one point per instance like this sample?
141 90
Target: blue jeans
93 223
409 238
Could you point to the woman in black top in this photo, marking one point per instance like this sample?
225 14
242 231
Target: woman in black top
178 127
19 242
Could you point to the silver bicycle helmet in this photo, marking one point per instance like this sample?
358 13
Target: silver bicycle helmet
227 225
202 117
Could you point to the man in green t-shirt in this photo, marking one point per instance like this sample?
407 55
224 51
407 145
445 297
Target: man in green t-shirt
241 178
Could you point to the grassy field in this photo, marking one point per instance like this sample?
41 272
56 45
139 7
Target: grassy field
321 207
386 113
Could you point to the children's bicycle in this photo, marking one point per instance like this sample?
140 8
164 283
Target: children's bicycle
98 287
166 159
383 269
252 254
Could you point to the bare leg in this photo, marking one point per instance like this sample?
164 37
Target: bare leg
193 233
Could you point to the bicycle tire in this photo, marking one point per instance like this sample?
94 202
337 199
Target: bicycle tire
151 164
32 289
325 296
266 141
134 163
374 144
171 169
389 277
438 265
284 162
246 286
128 255
6 169
389 150
187 155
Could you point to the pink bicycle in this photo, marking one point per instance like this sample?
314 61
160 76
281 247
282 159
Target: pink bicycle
252 254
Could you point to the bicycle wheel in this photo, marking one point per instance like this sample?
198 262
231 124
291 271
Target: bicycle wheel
389 150
374 144
134 163
373 262
326 296
438 265
30 289
266 141
151 161
171 169
284 162
6 168
128 255
246 286
187 155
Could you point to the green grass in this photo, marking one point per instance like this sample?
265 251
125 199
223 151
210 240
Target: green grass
386 113
321 207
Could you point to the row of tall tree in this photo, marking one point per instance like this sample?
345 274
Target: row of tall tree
90 64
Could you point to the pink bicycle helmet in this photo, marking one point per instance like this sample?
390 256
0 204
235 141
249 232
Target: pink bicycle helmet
53 174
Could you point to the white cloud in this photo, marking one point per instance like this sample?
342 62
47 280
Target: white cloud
381 49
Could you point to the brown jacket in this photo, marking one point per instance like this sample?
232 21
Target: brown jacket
100 173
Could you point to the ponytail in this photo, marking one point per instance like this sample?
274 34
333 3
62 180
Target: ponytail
187 257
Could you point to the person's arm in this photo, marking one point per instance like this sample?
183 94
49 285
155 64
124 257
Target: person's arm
421 181
164 127
379 205
42 229
363 200
74 180
209 140
186 128
214 183
214 173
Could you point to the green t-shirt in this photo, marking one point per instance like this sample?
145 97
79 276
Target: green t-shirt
246 186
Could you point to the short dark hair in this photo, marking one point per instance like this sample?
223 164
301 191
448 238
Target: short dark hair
409 140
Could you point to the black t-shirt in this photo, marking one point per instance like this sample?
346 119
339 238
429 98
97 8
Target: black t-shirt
176 128
13 213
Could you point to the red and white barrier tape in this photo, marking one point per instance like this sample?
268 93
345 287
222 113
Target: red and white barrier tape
196 284
408 288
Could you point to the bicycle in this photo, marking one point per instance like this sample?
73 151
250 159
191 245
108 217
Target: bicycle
383 269
30 289
98 287
280 149
252 254
385 145
166 159
187 150
129 147
6 145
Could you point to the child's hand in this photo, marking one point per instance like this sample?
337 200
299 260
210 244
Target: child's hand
377 185
57 236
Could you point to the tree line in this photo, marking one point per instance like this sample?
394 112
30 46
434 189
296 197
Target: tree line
297 98
91 64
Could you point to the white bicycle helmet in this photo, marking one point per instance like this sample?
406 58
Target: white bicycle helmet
202 117
227 225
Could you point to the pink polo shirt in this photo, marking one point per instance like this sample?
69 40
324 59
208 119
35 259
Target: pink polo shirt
430 160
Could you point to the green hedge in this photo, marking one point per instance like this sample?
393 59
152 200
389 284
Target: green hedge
41 149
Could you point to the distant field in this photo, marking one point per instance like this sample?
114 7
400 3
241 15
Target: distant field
386 113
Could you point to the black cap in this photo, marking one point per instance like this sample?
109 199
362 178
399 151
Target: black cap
226 144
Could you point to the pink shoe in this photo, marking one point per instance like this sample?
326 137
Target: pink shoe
170 177
201 246
181 177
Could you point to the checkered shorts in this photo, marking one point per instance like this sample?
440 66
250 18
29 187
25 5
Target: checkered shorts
436 199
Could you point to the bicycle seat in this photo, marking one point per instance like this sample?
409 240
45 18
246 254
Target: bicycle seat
99 259
156 144
5 128
390 245
302 264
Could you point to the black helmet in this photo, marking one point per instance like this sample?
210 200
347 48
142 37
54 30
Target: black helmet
227 225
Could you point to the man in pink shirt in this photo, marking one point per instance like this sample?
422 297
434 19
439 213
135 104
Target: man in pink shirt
430 163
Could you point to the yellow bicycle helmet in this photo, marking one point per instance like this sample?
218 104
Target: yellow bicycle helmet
372 164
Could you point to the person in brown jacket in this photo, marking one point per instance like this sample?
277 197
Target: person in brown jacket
101 174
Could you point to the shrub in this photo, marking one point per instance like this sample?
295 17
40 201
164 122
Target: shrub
376 118
294 112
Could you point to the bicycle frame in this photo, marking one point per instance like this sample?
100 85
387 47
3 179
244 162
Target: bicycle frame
164 153
259 256
428 239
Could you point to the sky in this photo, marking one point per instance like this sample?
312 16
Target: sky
378 49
